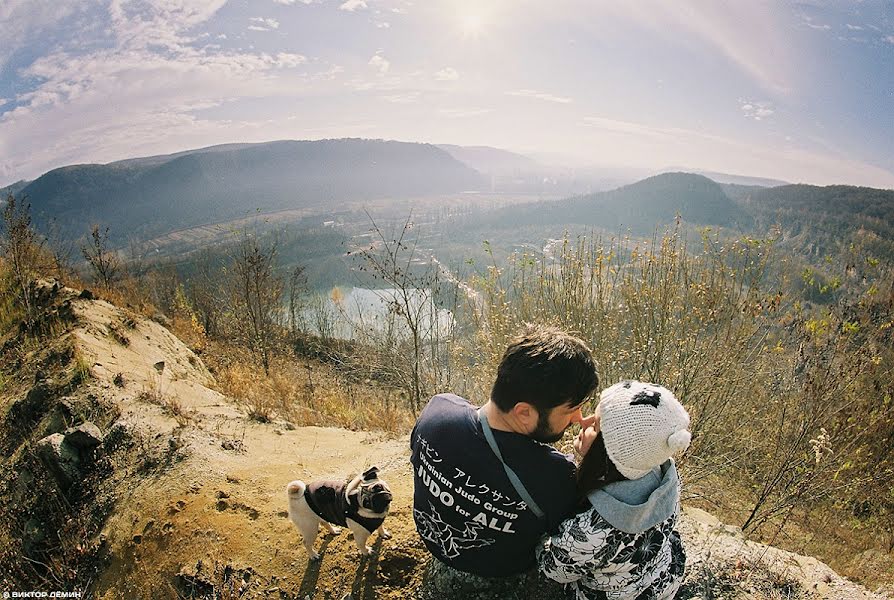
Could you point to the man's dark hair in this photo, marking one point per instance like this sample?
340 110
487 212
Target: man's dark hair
546 368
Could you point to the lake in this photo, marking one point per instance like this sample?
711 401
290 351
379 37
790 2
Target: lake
356 312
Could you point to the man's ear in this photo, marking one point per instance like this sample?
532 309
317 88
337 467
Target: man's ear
525 414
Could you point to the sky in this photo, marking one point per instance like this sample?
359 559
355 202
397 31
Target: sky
798 91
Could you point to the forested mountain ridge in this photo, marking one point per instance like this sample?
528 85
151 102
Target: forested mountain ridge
638 207
822 221
141 198
146 197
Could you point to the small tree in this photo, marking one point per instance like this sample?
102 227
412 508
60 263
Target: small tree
207 290
102 261
22 248
412 346
257 296
297 292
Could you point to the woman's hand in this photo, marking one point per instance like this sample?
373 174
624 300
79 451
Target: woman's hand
589 429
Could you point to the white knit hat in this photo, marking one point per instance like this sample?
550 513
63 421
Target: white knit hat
643 425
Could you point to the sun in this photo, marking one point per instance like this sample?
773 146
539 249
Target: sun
472 25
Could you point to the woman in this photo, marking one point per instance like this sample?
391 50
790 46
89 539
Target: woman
624 544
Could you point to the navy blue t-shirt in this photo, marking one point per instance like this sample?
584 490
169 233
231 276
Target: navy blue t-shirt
464 505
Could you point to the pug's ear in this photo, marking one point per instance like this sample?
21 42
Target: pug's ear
370 474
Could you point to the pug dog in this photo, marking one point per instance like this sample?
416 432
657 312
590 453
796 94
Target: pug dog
361 504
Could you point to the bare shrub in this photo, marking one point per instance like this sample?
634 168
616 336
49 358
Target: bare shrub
257 297
103 261
789 405
410 345
305 393
25 255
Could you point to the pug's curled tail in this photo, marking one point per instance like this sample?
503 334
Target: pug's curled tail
295 488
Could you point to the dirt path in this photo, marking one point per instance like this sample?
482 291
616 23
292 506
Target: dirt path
228 508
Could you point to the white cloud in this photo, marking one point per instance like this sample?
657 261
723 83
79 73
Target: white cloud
890 39
383 25
352 5
380 63
539 96
291 2
854 27
154 73
262 24
24 20
447 74
158 23
756 110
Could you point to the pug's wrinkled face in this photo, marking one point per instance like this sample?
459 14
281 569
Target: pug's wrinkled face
375 497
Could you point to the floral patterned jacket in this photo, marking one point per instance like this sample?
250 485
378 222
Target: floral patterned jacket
598 561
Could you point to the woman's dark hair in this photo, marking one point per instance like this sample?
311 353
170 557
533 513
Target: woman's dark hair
596 470
545 367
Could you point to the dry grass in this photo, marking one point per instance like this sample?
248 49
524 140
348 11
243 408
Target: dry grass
154 393
739 580
761 377
306 392
788 401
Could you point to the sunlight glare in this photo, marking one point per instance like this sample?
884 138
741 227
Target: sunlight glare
472 25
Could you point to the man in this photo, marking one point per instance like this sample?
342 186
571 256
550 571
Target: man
480 526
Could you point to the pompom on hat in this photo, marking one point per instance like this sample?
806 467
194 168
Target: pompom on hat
643 425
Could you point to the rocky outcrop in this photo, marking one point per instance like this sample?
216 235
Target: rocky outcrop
61 458
66 454
85 436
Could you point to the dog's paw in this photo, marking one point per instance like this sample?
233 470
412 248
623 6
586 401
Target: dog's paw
315 556
334 530
366 551
386 535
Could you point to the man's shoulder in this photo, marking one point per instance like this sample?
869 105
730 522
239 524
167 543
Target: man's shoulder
448 399
445 406
444 415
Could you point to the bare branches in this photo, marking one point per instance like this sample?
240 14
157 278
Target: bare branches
23 250
257 295
410 345
103 262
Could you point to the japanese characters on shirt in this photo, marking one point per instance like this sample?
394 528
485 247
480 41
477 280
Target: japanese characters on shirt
458 491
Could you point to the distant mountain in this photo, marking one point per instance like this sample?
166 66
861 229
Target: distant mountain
144 197
513 173
492 161
15 189
148 161
639 206
727 178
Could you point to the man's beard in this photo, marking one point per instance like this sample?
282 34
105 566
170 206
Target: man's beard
542 432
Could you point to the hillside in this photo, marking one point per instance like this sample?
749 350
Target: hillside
492 161
732 179
639 207
141 198
170 490
822 221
